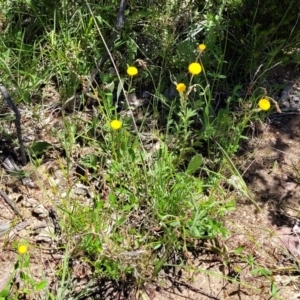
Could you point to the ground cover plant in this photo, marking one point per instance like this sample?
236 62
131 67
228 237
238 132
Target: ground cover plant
133 159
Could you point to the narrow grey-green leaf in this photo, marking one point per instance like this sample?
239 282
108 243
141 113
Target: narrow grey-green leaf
119 90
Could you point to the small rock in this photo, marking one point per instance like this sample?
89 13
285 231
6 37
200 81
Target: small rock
46 235
80 189
30 202
37 208
41 211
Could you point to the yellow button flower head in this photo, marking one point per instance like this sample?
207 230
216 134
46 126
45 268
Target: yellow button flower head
202 47
264 104
195 68
115 124
132 71
180 87
22 249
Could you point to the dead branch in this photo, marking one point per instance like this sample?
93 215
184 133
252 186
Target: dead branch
14 108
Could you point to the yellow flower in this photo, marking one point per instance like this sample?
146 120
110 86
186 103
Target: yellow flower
132 71
22 249
180 87
115 124
264 104
195 68
202 47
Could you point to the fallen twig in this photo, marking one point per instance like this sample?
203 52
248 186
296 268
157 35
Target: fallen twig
190 287
10 203
12 229
13 107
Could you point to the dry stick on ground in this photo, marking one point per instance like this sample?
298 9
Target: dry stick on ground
13 107
10 203
180 283
105 56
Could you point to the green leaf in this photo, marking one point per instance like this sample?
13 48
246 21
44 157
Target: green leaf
273 289
239 250
38 148
23 275
90 161
157 246
175 223
109 98
194 164
52 297
3 294
40 285
195 232
131 154
26 97
261 272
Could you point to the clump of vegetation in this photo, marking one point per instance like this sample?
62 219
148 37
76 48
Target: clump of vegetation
157 171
